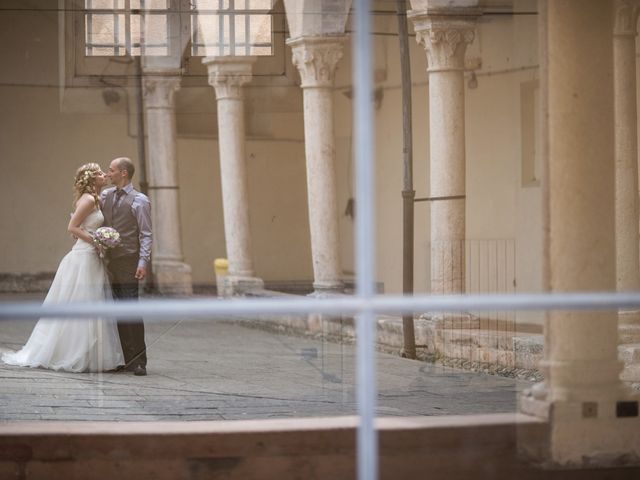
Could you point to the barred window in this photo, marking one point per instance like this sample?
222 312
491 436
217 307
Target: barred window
222 27
233 27
117 28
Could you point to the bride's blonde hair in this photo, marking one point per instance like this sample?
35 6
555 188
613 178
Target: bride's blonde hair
85 182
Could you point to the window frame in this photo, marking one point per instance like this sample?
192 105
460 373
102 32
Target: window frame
78 69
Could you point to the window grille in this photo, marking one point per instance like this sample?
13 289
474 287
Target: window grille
115 28
238 27
118 28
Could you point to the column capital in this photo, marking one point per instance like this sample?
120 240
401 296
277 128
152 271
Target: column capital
626 14
445 34
316 58
227 75
159 90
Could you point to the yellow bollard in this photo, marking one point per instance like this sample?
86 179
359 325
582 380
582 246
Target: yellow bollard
221 269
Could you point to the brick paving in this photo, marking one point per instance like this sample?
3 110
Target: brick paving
226 371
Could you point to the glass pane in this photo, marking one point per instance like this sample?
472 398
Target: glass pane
99 32
153 50
240 34
226 35
202 5
101 52
156 4
135 34
119 36
206 33
205 30
149 4
156 34
259 4
261 51
103 4
253 4
260 29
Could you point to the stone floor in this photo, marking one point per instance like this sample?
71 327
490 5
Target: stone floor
218 370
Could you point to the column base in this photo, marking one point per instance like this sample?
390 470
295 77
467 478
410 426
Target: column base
321 288
458 320
582 433
238 285
172 278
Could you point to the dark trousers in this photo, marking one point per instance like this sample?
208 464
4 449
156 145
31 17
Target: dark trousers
124 285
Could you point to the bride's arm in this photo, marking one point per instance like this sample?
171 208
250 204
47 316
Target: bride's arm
84 207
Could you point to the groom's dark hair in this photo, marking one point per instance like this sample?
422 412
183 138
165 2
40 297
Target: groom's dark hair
125 164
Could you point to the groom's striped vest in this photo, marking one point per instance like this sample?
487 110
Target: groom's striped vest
124 221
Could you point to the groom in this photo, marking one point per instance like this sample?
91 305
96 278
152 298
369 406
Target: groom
129 212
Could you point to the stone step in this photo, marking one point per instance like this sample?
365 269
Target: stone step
630 353
487 346
628 333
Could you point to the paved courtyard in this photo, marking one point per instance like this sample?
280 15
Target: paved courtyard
227 371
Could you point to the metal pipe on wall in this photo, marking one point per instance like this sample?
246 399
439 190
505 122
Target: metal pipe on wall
408 193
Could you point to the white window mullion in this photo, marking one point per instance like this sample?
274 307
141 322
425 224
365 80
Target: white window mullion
89 26
220 28
143 8
232 27
116 29
247 31
127 27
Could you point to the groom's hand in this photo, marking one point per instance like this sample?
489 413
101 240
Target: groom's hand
141 272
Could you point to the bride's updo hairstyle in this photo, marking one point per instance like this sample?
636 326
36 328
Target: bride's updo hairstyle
85 182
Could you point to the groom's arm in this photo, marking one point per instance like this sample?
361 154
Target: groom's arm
142 210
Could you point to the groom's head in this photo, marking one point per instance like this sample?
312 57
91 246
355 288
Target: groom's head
121 171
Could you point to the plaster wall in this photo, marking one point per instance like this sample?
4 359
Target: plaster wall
499 206
47 132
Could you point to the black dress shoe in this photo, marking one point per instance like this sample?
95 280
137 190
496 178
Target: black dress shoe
139 371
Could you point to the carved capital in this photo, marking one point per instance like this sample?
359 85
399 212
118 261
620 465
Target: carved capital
316 59
626 14
228 85
444 37
159 90
227 75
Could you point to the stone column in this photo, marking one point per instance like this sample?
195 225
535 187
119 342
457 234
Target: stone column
171 274
445 34
582 393
316 59
228 75
626 155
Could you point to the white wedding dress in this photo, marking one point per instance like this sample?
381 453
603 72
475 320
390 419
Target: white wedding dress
75 345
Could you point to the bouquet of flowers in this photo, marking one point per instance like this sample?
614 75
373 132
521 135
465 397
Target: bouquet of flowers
105 238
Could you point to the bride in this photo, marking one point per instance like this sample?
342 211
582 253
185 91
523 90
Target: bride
77 345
